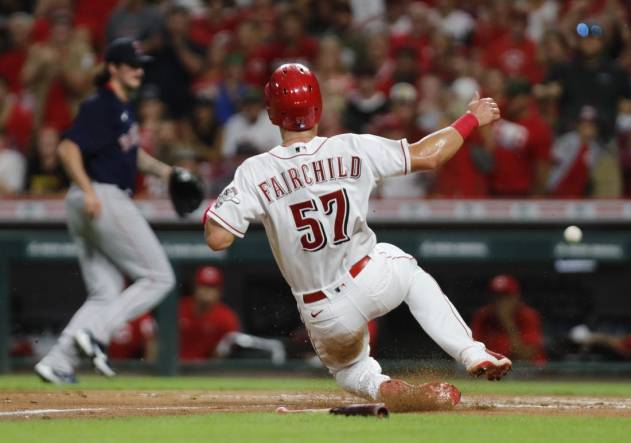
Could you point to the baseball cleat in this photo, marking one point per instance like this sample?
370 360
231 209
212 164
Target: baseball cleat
50 375
400 396
494 366
94 351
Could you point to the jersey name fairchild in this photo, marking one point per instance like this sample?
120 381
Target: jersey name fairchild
309 174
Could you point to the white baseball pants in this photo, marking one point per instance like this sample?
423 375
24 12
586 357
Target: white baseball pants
337 324
118 244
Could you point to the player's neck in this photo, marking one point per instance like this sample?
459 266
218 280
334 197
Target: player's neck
291 137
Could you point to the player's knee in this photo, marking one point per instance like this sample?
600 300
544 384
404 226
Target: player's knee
165 280
169 280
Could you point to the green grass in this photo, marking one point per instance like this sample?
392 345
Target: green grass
31 382
511 387
264 428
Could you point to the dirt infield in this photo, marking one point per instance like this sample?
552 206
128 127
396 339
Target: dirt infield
21 405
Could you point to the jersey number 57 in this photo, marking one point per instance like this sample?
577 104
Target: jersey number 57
315 238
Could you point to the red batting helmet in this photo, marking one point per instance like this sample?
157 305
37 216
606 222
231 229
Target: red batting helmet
293 98
208 276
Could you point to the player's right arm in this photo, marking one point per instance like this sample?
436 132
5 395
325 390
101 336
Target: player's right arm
438 147
70 155
230 215
217 237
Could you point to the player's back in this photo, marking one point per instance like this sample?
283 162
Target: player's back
312 199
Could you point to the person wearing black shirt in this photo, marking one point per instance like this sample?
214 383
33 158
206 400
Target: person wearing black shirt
101 155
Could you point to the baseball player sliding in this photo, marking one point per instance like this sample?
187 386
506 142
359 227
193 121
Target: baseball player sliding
100 153
311 194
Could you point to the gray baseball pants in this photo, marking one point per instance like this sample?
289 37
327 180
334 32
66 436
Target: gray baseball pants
118 244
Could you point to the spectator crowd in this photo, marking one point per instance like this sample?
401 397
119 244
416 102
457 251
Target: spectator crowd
560 70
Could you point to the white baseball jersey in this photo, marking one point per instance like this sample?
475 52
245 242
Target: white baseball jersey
312 199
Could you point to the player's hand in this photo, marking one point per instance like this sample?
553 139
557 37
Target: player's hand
92 205
485 109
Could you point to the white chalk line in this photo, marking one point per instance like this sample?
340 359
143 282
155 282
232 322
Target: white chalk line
27 412
549 403
24 412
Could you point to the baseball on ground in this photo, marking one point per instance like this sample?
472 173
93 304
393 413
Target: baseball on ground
573 234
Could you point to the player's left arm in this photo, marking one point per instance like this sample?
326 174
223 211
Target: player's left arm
438 147
148 164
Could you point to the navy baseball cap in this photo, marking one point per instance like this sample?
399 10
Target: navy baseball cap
126 50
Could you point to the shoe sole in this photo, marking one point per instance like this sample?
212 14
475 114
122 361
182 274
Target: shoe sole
491 371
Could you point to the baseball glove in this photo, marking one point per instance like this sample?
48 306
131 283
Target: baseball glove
185 190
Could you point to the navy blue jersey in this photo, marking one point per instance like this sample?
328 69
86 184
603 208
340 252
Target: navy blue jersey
106 131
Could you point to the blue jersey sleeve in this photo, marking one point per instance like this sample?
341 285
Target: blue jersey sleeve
91 128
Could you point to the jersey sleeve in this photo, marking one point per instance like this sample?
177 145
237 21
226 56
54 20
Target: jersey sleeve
237 206
89 129
386 158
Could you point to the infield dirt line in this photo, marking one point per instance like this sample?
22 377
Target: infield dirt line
468 404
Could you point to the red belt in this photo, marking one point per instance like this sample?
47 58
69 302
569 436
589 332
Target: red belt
313 297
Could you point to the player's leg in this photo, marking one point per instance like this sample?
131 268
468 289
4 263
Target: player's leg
337 326
134 248
103 283
396 277
442 322
338 332
342 344
362 378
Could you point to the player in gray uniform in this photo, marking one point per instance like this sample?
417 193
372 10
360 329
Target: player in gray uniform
101 155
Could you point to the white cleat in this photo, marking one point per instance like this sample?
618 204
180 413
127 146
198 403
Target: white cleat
92 349
50 375
493 366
